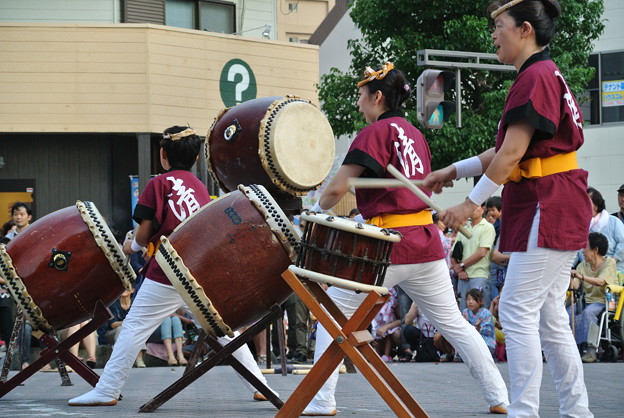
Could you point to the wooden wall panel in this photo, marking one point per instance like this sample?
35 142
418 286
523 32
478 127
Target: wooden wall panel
133 77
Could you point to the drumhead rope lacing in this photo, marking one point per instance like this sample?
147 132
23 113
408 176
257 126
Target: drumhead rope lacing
190 290
106 241
18 290
264 147
279 224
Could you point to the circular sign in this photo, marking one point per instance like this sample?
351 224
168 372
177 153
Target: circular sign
237 83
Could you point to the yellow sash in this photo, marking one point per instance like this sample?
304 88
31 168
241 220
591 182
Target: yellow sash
151 248
540 167
395 220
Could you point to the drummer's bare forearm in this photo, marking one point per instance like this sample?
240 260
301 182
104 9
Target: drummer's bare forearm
339 186
517 140
486 158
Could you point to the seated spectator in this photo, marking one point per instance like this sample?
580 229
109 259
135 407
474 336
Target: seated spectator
170 329
25 339
89 342
419 333
500 353
387 328
353 213
592 276
111 330
480 317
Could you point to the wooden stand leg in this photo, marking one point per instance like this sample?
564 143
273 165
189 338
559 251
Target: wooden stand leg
54 349
351 339
221 354
8 359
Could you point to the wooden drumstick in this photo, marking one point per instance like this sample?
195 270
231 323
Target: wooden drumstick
370 183
422 196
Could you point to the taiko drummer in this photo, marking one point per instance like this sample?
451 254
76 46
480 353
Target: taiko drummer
418 259
167 200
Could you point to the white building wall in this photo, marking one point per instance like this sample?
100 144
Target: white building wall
253 15
79 11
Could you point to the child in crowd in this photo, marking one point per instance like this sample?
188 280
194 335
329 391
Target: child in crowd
480 317
387 327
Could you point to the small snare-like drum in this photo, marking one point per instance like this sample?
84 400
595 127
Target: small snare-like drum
227 259
282 143
61 265
345 249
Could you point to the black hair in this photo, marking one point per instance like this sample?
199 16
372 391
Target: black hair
596 198
476 294
541 14
18 205
394 87
7 227
599 242
183 152
354 212
494 202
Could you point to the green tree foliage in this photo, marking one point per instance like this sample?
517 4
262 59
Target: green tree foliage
396 30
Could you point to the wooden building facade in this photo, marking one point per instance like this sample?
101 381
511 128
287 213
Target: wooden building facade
82 105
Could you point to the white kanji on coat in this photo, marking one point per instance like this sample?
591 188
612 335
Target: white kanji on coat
184 204
409 159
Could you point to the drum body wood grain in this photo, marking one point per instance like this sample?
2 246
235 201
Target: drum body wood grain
227 259
62 264
282 143
345 249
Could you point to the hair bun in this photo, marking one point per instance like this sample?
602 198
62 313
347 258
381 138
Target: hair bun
552 8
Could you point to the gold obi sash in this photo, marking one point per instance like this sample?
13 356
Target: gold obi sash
395 220
540 167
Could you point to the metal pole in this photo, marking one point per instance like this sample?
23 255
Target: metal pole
458 121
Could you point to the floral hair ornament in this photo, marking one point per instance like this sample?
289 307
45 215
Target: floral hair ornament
370 75
504 8
180 135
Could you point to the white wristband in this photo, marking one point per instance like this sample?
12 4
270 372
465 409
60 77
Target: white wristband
135 247
317 207
483 190
470 167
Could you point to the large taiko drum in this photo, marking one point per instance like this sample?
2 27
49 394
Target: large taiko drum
61 265
345 249
227 259
282 143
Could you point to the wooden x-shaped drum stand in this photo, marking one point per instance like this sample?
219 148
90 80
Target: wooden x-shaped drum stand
351 339
54 351
221 353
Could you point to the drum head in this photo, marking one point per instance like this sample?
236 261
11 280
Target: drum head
352 226
296 145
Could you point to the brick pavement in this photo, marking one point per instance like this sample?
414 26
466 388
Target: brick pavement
443 390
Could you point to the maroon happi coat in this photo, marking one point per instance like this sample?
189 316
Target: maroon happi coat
541 96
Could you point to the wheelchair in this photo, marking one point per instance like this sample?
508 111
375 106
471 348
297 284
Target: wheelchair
608 334
611 324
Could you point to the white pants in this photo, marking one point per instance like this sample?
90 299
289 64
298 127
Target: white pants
534 318
152 305
429 285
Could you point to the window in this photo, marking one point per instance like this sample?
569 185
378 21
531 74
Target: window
606 90
214 16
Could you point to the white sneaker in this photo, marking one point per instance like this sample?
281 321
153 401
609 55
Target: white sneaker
92 398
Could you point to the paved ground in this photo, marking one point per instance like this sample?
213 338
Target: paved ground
443 390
